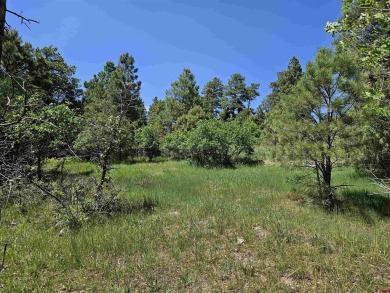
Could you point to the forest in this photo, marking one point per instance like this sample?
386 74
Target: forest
200 191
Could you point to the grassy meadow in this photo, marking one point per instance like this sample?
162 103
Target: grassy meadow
246 229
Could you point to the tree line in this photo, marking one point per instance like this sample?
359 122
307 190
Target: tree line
335 112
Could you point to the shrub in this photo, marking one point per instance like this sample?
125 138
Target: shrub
208 144
173 145
147 141
213 143
243 136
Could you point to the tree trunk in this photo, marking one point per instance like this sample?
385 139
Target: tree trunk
104 168
3 11
327 175
318 176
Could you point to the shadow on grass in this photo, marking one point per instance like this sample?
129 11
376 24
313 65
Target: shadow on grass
365 202
228 164
356 175
122 207
248 161
57 174
127 206
138 160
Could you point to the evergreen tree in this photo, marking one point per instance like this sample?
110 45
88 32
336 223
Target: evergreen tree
185 91
35 82
113 111
283 86
155 110
287 79
212 95
43 71
251 93
314 124
53 78
119 84
236 95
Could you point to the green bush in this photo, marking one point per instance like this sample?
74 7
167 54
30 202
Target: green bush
208 144
243 136
147 142
174 145
217 143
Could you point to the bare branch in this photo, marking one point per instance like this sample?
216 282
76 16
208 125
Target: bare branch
22 86
52 195
382 183
23 20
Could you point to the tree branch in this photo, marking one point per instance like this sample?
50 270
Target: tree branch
23 20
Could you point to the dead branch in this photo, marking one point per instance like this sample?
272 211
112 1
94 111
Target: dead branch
23 20
341 185
3 261
382 183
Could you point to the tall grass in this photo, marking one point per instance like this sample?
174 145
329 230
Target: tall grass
214 230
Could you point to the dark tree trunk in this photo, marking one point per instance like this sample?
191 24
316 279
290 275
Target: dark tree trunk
3 11
105 168
327 176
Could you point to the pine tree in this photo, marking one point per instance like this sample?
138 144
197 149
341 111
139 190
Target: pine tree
212 95
185 91
237 93
287 79
314 123
113 111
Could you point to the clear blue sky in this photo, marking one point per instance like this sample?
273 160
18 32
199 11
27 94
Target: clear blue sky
214 38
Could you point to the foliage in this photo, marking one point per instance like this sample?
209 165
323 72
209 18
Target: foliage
147 141
244 135
173 145
53 79
38 121
154 114
286 81
284 85
208 144
212 94
119 84
188 121
363 29
102 131
48 132
237 93
113 107
217 143
315 124
185 91
164 114
43 70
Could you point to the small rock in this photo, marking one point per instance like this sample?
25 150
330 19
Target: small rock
62 232
261 233
288 281
240 241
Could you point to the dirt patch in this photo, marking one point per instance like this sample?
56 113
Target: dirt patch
261 233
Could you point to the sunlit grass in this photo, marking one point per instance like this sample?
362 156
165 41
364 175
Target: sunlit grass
214 230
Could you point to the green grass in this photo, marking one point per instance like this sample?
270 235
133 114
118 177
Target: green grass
214 230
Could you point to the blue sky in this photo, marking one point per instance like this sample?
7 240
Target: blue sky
214 38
